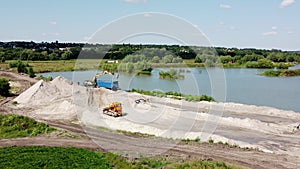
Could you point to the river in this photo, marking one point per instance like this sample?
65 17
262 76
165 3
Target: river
237 85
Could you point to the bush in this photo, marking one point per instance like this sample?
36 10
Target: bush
261 63
4 87
272 73
21 67
13 126
31 72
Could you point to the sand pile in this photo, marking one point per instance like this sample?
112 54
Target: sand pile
49 100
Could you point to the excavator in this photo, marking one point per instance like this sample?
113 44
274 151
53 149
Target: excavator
114 109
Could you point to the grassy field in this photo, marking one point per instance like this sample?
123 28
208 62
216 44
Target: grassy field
81 64
13 126
59 65
58 157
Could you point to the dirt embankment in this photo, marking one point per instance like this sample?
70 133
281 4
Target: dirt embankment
59 102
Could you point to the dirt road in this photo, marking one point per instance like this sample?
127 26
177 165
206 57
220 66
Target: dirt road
200 151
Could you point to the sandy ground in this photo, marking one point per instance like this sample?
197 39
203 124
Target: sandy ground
270 130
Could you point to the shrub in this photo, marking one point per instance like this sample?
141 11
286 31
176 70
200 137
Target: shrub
272 73
31 72
220 142
4 87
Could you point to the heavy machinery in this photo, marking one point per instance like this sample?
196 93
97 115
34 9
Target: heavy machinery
104 79
114 109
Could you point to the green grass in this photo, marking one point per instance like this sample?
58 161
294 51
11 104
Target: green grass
59 65
68 157
13 126
55 157
135 134
175 95
205 165
281 73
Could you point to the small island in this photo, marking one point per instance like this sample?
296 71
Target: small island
145 72
281 73
172 74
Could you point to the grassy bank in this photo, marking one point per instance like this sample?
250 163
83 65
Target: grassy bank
175 95
13 126
281 73
59 65
58 157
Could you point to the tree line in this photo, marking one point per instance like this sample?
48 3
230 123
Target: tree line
132 53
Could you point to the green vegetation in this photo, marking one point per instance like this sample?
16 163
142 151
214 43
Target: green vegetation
191 140
145 72
12 126
14 103
68 157
135 58
175 95
211 141
281 73
220 142
261 63
135 134
172 74
47 79
4 87
205 165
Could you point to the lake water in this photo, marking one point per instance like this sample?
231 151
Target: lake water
230 85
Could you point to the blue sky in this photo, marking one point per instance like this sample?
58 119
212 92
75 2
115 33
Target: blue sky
229 23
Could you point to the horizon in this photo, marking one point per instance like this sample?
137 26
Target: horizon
86 43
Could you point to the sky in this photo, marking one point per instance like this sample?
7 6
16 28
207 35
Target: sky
264 24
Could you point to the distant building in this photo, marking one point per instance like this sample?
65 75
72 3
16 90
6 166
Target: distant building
112 61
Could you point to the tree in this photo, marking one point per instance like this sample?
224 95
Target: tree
155 59
265 63
4 87
226 59
21 67
31 72
167 59
2 59
198 59
66 55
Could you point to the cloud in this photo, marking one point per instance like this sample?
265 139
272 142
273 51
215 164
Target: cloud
271 33
286 3
147 15
274 28
53 23
136 1
225 6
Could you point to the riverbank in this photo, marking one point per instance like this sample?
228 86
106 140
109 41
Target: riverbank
93 64
281 73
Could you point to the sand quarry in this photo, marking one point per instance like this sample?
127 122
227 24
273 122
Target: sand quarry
268 129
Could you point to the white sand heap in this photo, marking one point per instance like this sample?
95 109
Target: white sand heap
49 100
